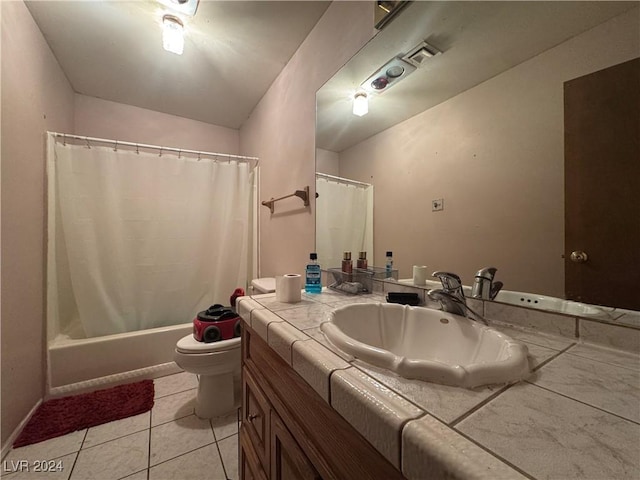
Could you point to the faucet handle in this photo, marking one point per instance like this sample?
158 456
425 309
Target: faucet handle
450 281
495 288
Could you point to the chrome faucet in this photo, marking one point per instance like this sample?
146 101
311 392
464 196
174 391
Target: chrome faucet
451 296
451 283
483 285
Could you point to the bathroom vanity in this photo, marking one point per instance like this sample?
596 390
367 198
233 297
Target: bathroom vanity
311 411
288 431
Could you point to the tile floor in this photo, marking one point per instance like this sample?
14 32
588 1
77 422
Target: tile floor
167 443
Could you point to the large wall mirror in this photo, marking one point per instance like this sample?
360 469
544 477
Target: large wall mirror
462 151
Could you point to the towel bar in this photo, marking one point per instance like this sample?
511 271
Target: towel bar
303 194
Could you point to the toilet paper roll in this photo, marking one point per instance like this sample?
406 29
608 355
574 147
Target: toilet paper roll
289 288
420 274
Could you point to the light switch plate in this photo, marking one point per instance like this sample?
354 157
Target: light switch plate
437 205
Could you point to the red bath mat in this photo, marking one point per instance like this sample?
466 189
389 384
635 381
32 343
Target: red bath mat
60 416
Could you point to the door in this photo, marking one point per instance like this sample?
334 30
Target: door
602 187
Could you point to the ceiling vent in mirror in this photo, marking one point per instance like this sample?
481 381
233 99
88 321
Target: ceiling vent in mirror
420 54
388 75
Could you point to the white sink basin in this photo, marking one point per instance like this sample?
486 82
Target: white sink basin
427 344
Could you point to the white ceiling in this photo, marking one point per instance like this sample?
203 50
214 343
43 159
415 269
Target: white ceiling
478 39
233 52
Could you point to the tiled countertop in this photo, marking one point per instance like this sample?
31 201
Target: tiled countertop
576 416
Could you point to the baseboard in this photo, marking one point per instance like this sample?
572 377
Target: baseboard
6 447
113 380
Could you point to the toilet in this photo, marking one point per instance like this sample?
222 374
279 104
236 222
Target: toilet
217 365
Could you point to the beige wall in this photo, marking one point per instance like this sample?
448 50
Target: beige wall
495 153
103 119
327 162
281 131
36 97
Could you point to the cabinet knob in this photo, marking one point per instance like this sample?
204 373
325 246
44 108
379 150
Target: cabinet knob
252 417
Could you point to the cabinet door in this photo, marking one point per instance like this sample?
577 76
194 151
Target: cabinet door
255 417
288 461
250 468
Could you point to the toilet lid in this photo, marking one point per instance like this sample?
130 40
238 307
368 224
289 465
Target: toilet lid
265 284
189 344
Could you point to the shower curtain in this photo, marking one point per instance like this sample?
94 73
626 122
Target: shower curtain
150 239
344 221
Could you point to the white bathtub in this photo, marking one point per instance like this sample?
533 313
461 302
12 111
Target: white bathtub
80 364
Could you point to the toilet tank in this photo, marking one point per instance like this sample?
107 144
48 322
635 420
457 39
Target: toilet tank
263 285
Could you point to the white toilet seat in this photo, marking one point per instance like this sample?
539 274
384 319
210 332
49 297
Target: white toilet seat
190 346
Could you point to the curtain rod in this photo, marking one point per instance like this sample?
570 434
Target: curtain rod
343 180
116 143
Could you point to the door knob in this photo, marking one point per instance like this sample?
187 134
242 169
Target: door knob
579 256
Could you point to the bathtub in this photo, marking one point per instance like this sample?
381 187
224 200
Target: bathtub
83 364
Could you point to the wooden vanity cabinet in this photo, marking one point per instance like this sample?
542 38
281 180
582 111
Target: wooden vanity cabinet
289 432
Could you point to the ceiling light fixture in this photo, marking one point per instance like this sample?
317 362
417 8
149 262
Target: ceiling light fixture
360 104
172 34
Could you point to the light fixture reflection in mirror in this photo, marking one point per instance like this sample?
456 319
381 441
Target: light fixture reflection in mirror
360 104
172 34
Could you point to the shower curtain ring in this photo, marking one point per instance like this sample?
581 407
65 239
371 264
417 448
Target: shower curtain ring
199 158
160 151
137 149
64 139
115 148
179 153
88 146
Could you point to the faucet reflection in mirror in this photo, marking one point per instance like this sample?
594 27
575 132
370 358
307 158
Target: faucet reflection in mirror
483 286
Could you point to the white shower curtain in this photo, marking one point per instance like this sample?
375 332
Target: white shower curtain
344 221
150 239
